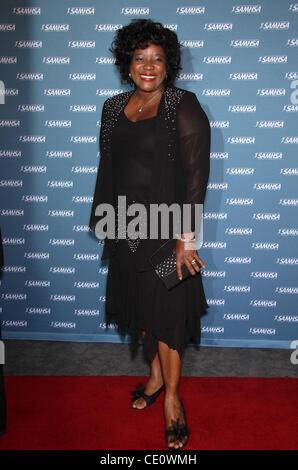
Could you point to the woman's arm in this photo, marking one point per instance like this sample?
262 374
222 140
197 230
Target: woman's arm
194 151
99 185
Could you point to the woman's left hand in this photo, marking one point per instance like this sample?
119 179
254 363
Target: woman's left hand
185 253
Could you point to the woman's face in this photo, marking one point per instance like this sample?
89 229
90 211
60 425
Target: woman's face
148 67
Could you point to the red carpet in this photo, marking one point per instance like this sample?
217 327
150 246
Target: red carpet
94 413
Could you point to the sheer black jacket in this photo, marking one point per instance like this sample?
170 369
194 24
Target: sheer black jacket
181 165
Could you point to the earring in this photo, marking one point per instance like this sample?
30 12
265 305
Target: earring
129 74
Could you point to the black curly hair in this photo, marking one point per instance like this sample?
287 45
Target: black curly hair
136 35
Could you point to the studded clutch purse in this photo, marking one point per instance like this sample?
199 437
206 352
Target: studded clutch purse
163 261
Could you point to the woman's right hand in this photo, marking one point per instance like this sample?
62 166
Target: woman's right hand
185 254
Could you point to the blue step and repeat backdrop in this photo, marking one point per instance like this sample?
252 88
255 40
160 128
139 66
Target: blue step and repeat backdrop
240 58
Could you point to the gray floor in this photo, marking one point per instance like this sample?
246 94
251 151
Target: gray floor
74 358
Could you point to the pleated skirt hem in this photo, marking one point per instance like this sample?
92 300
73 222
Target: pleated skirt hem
140 300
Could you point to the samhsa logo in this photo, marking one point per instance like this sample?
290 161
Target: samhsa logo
81 44
32 139
273 59
26 11
29 76
171 26
245 43
108 92
10 123
241 140
80 11
270 124
194 43
217 60
82 76
190 10
190 76
216 92
242 108
135 11
275 25
292 42
57 92
32 108
8 60
271 92
218 26
243 76
268 155
54 28
56 60
107 27
57 123
8 27
246 9
11 183
28 44
105 60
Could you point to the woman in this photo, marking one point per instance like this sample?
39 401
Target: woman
155 148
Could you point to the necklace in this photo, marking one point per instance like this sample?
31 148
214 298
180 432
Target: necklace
140 109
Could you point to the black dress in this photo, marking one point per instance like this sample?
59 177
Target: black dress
139 300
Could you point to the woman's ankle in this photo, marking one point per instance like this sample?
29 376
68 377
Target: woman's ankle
172 393
158 379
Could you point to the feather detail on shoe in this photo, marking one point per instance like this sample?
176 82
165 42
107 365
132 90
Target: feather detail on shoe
178 432
138 393
149 399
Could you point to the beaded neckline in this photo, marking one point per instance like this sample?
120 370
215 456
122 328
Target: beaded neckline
141 120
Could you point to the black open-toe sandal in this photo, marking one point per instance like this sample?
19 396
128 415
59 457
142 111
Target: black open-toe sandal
149 399
178 432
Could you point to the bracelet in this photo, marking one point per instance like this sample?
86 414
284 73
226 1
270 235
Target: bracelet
187 239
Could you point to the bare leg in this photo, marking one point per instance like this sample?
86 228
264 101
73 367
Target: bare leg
154 382
171 369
